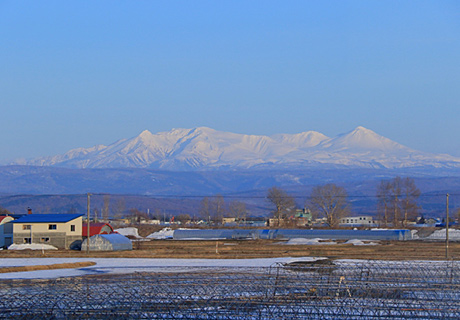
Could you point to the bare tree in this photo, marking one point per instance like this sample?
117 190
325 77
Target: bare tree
205 212
120 207
95 214
330 201
384 199
283 202
217 208
136 215
183 218
4 211
396 193
72 210
399 196
237 210
105 208
157 214
410 195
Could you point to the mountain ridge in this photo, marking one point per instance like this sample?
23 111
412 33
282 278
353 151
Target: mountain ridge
204 148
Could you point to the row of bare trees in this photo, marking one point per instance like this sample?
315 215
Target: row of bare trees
397 202
328 201
213 209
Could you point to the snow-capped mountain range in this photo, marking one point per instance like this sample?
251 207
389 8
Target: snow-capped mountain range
206 148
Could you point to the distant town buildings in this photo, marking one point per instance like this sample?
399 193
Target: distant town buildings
359 221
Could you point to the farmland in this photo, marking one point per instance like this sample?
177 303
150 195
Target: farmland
249 249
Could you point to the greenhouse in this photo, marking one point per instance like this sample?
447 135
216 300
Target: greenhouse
107 242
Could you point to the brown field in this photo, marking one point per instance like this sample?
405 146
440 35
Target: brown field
48 267
240 249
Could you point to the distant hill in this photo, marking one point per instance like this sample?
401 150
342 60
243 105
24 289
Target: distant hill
52 189
182 166
208 149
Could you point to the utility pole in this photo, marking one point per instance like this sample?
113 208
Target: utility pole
447 226
87 223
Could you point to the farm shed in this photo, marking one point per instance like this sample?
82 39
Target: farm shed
107 242
96 228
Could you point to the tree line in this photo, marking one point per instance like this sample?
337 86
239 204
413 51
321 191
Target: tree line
397 205
397 202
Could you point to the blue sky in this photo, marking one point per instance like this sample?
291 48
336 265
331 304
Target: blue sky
80 73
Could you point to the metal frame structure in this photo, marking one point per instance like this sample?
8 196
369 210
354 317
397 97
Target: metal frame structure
342 289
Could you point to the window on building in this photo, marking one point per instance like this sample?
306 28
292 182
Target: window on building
27 241
72 227
44 239
26 227
52 227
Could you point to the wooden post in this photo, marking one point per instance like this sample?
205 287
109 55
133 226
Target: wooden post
87 223
447 226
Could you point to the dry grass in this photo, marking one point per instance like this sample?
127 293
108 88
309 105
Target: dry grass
48 267
246 249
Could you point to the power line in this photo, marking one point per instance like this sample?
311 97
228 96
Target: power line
229 196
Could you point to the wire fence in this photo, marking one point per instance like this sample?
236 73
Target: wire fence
344 289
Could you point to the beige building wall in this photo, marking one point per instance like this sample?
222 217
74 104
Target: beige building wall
58 234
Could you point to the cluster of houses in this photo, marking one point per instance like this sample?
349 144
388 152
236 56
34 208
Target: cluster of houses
65 231
304 218
69 231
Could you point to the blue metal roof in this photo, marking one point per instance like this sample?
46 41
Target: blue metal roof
45 218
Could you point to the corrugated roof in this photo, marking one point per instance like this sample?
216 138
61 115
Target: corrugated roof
94 228
8 218
45 218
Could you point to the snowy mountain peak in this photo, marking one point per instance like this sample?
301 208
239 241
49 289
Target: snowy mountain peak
362 139
362 129
303 139
206 148
145 134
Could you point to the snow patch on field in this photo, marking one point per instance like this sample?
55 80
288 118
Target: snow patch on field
319 241
166 233
303 241
357 242
32 246
133 232
123 266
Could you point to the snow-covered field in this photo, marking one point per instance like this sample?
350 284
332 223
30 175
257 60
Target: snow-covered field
120 265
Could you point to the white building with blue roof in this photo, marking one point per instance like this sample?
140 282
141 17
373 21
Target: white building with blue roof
59 230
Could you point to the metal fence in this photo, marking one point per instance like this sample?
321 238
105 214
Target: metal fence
345 289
